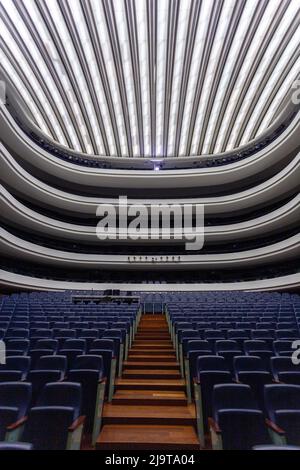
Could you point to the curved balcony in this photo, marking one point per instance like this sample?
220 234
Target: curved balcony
279 186
20 215
33 154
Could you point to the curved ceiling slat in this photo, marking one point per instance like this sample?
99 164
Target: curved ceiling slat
149 78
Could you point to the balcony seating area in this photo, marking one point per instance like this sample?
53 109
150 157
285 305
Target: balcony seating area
90 162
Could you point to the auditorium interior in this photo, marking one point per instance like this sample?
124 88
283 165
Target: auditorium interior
150 225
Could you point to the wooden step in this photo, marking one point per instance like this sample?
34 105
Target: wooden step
150 384
170 415
141 437
151 346
131 364
152 342
154 352
150 358
149 397
150 374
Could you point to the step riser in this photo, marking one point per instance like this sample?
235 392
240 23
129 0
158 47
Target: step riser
159 352
135 386
118 446
155 347
150 401
151 359
150 376
156 366
161 420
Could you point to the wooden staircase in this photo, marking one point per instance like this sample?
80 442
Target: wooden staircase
149 410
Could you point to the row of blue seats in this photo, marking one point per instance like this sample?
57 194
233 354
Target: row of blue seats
238 423
249 374
115 340
59 415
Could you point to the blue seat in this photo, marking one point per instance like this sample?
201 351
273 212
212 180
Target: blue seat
228 349
283 411
109 369
21 345
108 344
19 364
211 370
242 429
287 334
57 362
192 350
79 344
283 347
53 428
117 336
284 370
255 345
237 402
62 394
39 378
89 372
15 333
14 402
251 370
48 344
36 354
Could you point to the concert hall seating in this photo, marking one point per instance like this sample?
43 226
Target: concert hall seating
78 349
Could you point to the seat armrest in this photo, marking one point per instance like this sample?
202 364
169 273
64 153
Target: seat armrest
274 427
103 380
17 424
196 381
214 426
78 422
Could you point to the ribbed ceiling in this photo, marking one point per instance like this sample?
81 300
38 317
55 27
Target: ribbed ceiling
151 78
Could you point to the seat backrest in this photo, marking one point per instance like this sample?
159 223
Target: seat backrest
215 334
242 429
21 363
231 396
61 394
211 363
107 344
52 363
199 345
281 397
89 361
79 344
65 333
255 345
17 395
18 344
281 345
47 343
248 364
47 427
226 345
283 364
237 334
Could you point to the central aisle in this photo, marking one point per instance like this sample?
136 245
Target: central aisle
149 410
